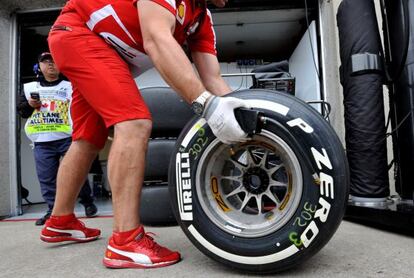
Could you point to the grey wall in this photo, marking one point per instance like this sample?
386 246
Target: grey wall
330 56
10 6
7 147
4 114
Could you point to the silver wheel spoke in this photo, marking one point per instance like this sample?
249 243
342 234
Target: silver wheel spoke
273 170
238 190
233 178
259 202
262 162
258 154
245 201
278 183
250 159
272 197
237 164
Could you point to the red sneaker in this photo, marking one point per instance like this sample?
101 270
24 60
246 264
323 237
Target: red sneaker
67 228
138 250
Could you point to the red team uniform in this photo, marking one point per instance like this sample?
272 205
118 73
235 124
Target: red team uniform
105 92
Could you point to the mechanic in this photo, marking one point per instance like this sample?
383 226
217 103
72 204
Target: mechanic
93 43
45 102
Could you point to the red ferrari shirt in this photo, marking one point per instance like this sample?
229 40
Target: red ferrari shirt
117 22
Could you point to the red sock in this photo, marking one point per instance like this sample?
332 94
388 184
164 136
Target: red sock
121 238
62 220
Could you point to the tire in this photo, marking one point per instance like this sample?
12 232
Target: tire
266 205
155 206
156 164
169 111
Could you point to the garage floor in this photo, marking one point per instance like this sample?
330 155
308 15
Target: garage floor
354 251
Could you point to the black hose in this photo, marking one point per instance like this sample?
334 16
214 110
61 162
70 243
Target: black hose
406 40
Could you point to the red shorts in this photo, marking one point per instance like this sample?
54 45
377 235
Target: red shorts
104 91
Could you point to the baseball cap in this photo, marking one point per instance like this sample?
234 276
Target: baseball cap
44 56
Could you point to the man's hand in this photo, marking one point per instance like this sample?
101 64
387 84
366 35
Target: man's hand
35 103
219 114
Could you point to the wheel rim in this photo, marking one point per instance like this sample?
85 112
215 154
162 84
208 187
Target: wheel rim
250 189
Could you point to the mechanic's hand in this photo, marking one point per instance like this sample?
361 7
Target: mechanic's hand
219 113
35 103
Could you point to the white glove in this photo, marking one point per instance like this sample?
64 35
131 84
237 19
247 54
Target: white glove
219 113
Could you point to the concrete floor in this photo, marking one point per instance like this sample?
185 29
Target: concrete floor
354 251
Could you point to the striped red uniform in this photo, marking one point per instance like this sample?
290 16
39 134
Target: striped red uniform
117 22
84 42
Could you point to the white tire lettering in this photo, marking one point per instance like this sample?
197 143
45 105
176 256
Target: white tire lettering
323 212
184 197
321 158
301 124
309 234
327 183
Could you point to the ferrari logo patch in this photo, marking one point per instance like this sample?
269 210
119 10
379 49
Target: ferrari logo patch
181 13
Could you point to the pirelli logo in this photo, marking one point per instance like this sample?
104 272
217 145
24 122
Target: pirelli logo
184 197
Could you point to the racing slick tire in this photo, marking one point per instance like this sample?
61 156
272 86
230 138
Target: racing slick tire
155 206
268 204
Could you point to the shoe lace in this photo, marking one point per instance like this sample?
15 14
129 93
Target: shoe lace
80 224
149 242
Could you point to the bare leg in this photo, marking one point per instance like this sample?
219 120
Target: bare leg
71 175
126 165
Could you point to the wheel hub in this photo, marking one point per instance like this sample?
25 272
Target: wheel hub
256 180
253 181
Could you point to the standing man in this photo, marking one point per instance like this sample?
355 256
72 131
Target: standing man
92 43
46 103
